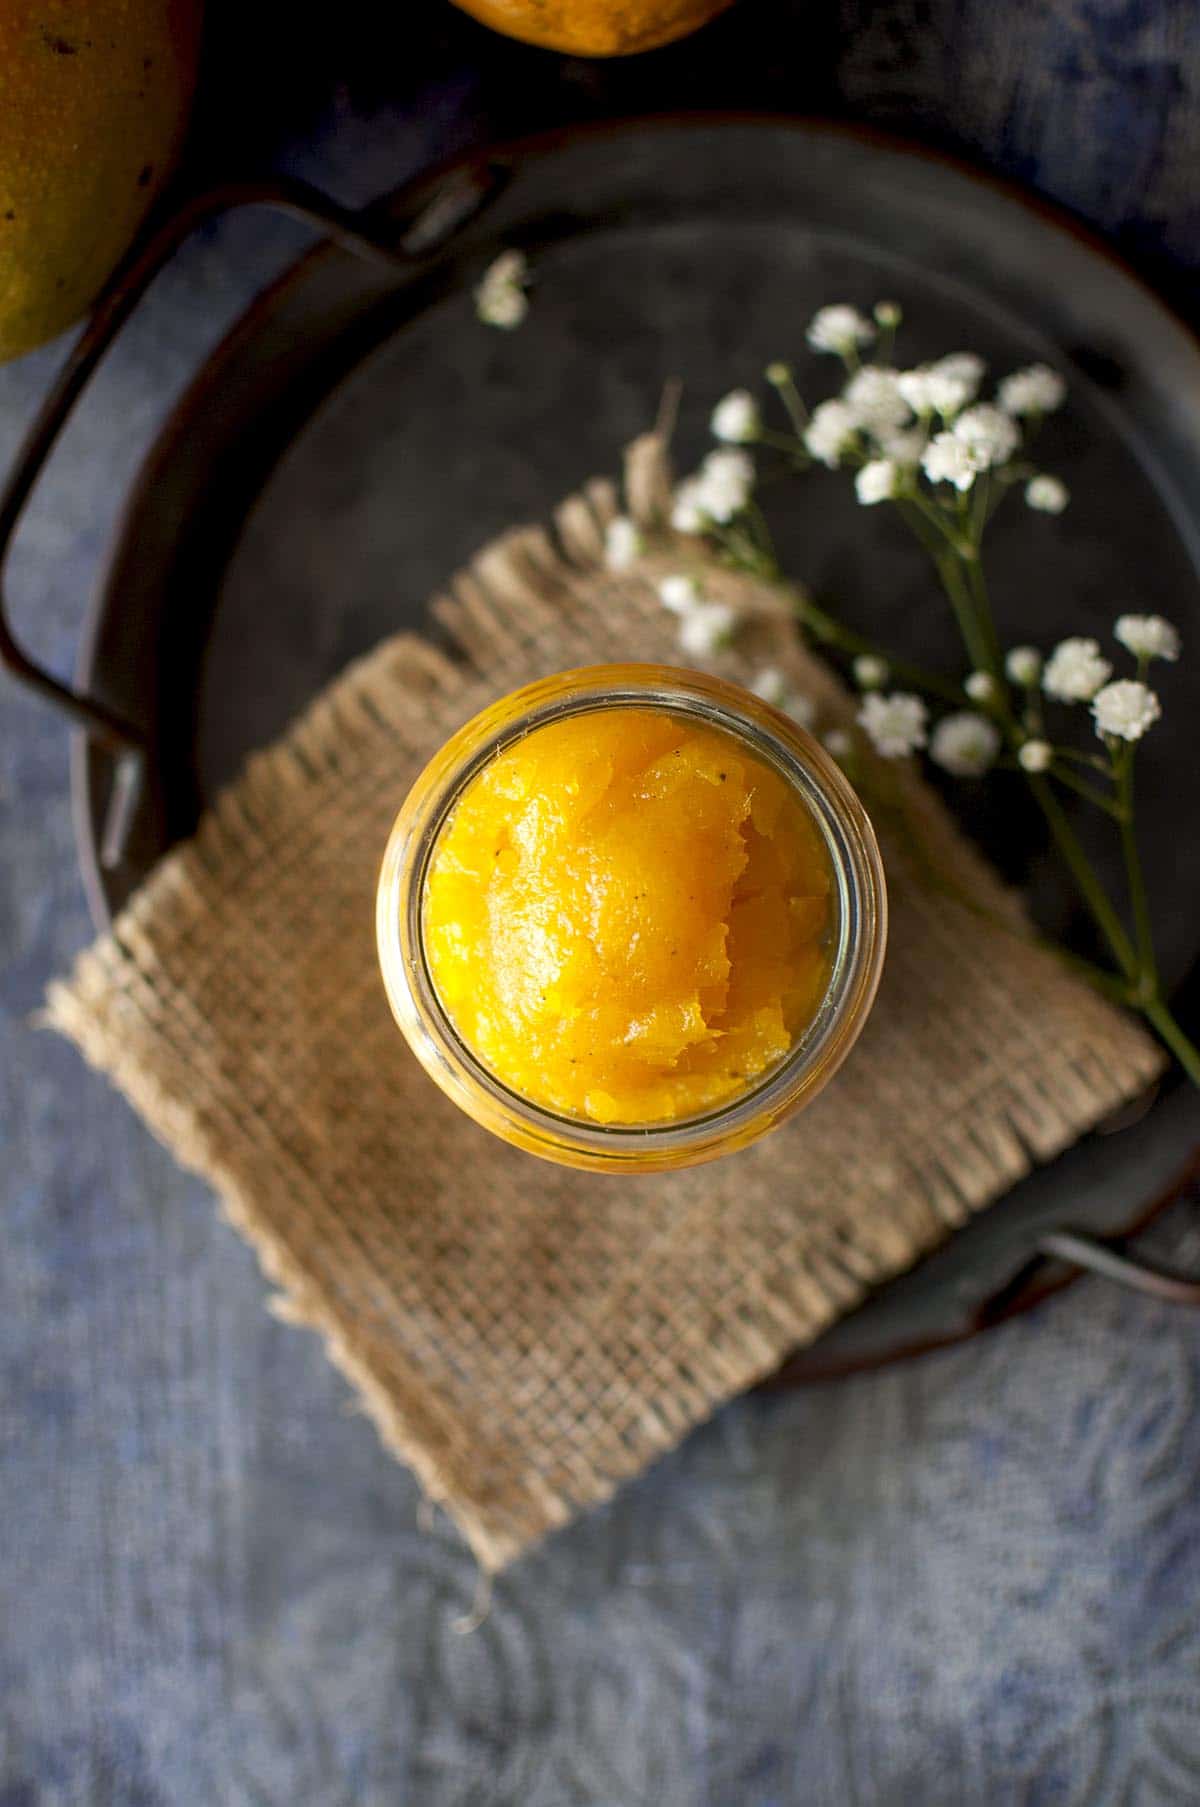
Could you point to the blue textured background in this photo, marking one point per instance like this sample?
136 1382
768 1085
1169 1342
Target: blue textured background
974 1579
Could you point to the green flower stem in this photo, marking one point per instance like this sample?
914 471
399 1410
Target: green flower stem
1090 888
946 535
963 582
1185 1051
983 608
1094 796
980 491
781 442
831 632
794 404
1133 868
1089 759
974 638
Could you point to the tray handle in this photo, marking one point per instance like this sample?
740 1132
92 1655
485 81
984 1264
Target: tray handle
380 232
1097 1257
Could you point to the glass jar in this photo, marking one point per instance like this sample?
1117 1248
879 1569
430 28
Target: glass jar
855 938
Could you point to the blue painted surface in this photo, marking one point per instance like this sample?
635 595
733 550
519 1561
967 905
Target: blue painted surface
970 1580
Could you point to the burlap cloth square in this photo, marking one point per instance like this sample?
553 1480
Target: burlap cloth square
523 1335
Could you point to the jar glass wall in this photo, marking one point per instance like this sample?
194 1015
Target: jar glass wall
854 936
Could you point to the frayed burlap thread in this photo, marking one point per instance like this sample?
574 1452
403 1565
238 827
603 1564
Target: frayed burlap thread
527 1337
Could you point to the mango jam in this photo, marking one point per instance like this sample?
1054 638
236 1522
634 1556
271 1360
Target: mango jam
624 916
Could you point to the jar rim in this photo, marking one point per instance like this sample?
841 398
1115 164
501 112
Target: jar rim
856 959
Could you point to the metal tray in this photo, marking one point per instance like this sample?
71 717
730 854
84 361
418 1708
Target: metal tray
358 435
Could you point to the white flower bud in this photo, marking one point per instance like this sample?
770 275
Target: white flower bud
830 432
687 513
1036 756
1125 709
965 744
895 724
991 435
1037 390
1024 665
839 329
706 628
680 594
1075 671
947 459
771 686
801 709
500 298
963 367
873 397
1046 494
1148 636
980 686
870 671
876 482
735 419
726 480
839 744
623 544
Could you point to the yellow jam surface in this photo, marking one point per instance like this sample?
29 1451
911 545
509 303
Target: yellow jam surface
624 916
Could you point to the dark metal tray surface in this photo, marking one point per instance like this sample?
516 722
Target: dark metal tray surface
359 435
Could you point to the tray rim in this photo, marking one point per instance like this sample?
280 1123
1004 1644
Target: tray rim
173 428
104 595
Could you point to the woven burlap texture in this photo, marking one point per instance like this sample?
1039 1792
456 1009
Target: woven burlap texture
524 1336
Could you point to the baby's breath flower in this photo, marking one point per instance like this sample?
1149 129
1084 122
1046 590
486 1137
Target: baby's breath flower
510 267
965 744
778 374
687 512
838 743
735 419
801 709
500 299
1047 494
888 314
839 329
706 628
876 482
874 399
934 389
503 306
980 686
991 435
895 723
913 385
1148 636
680 594
623 544
904 449
1075 671
1035 756
771 685
726 480
1037 390
947 459
830 432
871 672
1024 665
1125 709
963 367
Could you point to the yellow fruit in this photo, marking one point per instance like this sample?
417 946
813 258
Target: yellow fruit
624 916
595 27
94 99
